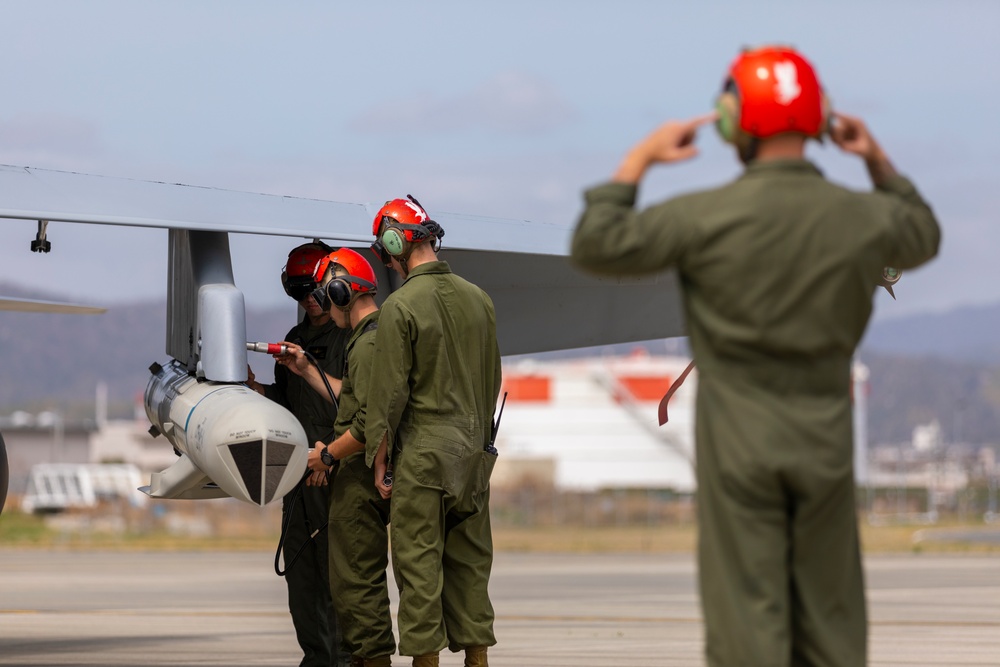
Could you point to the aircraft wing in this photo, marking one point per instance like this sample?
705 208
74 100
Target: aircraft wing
542 302
38 306
228 435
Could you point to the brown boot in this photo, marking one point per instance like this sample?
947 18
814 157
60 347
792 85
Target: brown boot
357 661
378 661
429 660
475 656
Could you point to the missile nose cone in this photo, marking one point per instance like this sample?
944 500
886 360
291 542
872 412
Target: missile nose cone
251 458
266 447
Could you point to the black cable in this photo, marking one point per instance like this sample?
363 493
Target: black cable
298 488
322 375
284 531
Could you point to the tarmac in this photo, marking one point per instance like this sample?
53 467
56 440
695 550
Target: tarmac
572 610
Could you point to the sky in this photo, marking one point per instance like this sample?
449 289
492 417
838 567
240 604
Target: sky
503 109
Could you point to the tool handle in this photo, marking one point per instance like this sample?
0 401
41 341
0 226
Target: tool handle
268 348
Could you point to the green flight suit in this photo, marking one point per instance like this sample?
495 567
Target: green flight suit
308 578
435 381
359 539
777 271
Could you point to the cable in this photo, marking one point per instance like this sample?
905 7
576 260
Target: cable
322 375
284 531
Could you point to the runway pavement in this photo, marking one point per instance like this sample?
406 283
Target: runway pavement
574 610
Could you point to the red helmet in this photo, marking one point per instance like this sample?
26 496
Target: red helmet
771 90
341 287
401 211
401 224
297 274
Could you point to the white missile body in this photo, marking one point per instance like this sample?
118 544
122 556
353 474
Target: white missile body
232 441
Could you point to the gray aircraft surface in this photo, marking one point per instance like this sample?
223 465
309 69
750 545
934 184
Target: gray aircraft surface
232 441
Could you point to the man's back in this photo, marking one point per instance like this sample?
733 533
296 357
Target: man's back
452 371
779 264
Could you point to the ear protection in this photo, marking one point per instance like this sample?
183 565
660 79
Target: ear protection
727 106
338 282
340 292
397 239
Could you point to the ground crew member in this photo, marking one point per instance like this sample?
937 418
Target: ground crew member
306 508
435 381
777 271
359 516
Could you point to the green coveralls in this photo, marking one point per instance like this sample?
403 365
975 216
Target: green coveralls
777 271
435 380
308 579
359 540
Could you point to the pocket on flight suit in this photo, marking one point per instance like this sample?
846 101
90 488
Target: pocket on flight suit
441 459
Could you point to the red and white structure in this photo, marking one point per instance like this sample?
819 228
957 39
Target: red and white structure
591 424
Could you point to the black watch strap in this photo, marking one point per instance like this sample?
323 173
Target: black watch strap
326 457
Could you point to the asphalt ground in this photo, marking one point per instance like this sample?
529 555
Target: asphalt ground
227 609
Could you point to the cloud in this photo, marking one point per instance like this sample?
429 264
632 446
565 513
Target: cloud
511 103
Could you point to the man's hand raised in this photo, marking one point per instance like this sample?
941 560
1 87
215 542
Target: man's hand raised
671 142
852 136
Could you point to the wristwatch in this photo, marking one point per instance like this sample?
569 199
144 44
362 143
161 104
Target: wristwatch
326 457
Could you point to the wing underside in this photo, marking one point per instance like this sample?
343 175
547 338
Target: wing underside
542 302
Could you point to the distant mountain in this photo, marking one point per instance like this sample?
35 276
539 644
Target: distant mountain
968 334
937 366
58 360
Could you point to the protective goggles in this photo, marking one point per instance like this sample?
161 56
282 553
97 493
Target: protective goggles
299 287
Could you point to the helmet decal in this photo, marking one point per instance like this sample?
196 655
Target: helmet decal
786 88
418 211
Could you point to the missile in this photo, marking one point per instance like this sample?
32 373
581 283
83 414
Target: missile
231 440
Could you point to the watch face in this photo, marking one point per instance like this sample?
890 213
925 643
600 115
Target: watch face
326 457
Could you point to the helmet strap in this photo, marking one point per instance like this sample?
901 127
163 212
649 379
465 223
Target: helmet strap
747 149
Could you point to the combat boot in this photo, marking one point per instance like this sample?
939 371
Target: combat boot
357 661
429 660
475 656
378 661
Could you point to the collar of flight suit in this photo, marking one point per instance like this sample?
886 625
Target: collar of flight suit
784 165
360 329
426 268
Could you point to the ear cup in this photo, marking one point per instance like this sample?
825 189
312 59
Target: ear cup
826 121
728 107
339 292
394 241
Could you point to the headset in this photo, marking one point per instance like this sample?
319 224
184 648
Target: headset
342 288
398 238
340 291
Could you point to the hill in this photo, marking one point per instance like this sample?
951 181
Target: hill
942 366
54 360
967 334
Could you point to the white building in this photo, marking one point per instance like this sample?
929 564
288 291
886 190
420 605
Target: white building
590 424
